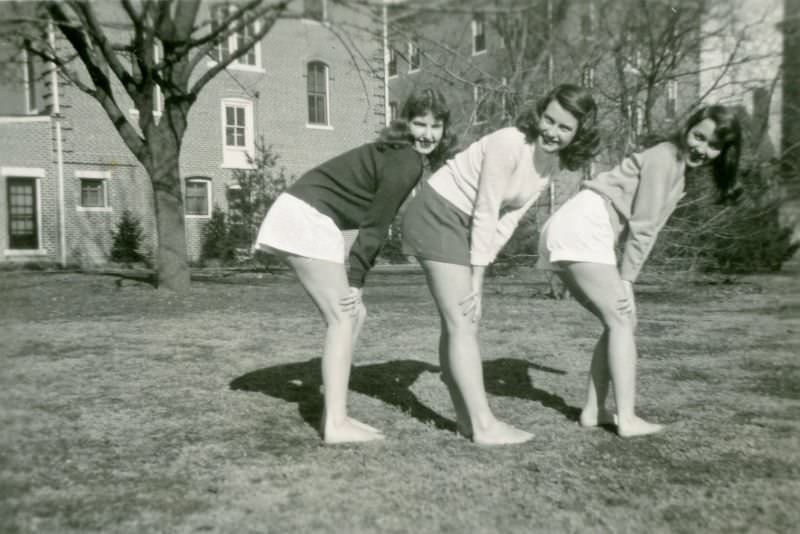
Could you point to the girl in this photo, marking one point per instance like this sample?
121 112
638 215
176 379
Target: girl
362 189
464 215
634 199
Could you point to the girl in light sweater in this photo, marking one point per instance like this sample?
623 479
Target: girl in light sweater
463 216
630 204
360 189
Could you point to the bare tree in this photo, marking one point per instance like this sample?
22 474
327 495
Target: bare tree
150 44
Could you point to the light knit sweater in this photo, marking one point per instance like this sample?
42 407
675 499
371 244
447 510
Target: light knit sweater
643 190
494 180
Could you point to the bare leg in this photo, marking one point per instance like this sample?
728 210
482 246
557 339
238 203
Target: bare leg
598 287
462 415
326 283
449 284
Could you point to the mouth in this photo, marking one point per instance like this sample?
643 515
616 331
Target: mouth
425 144
696 158
549 141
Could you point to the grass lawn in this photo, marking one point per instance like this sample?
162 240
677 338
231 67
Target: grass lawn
128 410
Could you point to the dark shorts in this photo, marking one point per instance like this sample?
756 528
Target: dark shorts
434 229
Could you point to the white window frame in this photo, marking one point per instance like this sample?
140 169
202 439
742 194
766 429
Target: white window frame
38 175
587 76
314 125
235 157
233 45
29 84
158 97
209 200
412 48
671 96
478 21
104 177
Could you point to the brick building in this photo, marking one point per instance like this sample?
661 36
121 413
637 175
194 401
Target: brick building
66 176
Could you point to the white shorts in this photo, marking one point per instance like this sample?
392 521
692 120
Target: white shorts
296 227
580 230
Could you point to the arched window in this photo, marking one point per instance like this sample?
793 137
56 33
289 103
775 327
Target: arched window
318 94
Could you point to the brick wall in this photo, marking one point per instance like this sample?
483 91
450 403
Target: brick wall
278 95
27 143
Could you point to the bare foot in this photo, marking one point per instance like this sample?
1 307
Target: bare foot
635 426
593 419
500 433
349 431
365 426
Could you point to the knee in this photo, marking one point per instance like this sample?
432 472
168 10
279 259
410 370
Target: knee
614 319
459 325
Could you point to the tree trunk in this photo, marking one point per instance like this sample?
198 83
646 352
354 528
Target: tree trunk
172 265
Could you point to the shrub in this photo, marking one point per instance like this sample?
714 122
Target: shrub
740 238
217 244
127 239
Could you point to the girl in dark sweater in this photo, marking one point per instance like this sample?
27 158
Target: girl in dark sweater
360 189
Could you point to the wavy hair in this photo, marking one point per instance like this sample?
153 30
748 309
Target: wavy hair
728 130
398 133
580 103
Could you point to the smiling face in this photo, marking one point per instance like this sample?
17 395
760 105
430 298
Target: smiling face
427 131
702 144
557 128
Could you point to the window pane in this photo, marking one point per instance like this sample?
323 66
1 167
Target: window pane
92 193
197 198
22 231
317 93
239 116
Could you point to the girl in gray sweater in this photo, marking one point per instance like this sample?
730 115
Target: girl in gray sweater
630 204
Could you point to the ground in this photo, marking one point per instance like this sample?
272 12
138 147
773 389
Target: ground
129 410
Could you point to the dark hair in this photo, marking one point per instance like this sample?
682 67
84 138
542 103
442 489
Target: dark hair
419 103
728 131
580 103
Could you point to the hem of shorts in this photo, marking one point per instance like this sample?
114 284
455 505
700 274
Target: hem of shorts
277 251
435 257
581 259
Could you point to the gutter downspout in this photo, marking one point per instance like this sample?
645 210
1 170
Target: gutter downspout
386 108
56 114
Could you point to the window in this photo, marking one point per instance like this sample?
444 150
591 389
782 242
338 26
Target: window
672 99
198 199
587 19
480 97
392 64
29 77
317 88
315 10
414 59
392 110
235 40
478 34
158 97
23 232
636 117
237 133
587 76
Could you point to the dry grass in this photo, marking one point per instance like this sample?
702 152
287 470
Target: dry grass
127 410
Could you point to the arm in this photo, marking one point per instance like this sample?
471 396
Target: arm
656 168
498 164
396 178
508 223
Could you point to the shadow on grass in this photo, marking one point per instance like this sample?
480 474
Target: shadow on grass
391 383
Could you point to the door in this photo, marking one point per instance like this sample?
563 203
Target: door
23 232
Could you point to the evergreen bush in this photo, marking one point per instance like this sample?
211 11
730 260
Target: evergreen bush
127 240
